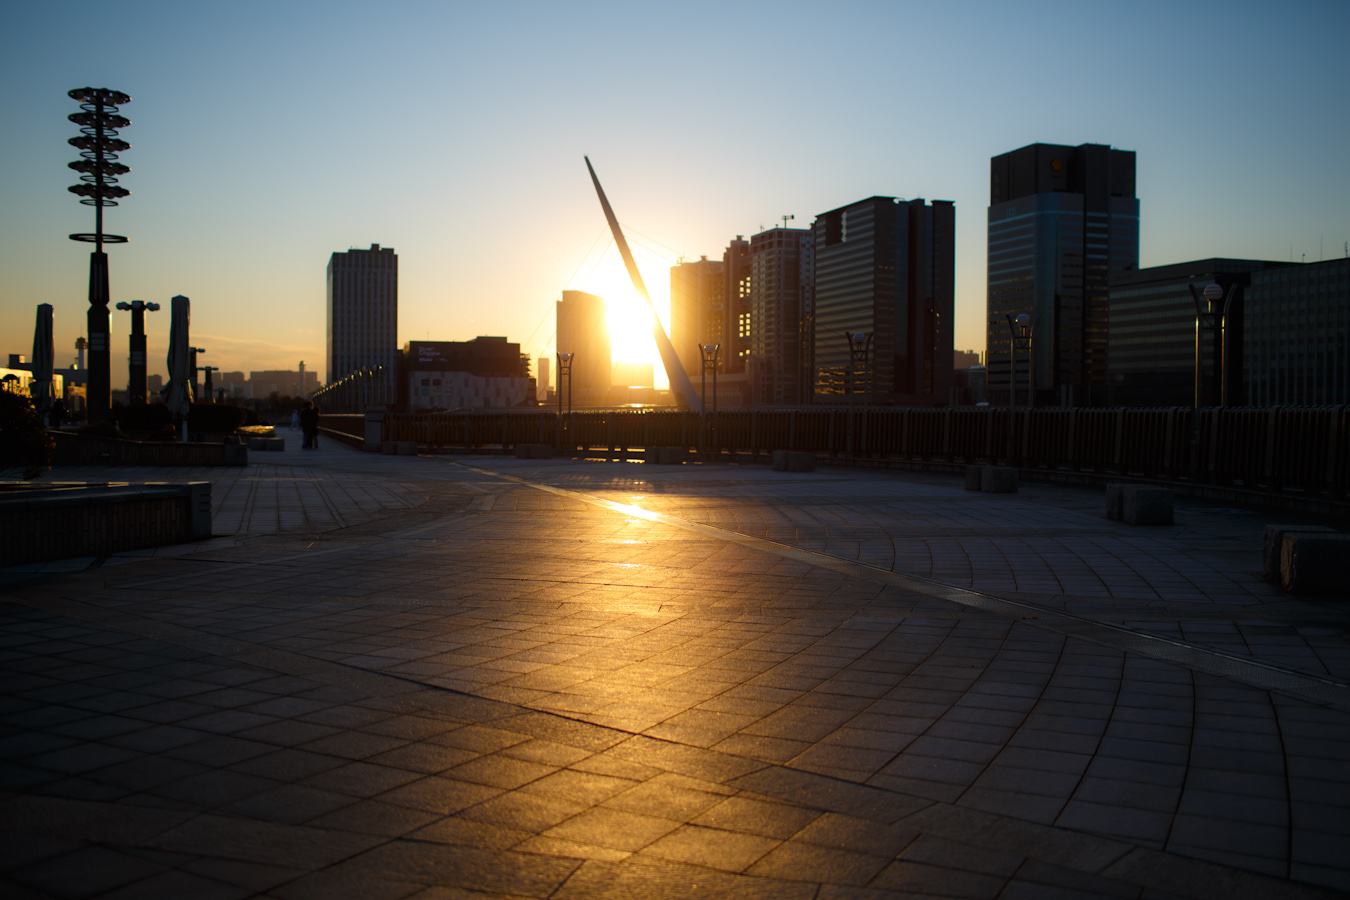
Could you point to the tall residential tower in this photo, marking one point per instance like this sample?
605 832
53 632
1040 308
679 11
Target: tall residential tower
363 314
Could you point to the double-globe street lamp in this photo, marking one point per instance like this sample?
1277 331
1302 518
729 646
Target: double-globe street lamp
565 372
709 353
1020 329
136 380
1210 317
858 345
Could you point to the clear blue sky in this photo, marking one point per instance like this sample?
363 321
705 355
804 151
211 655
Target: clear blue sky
268 135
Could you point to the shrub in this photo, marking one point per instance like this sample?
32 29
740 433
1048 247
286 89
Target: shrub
23 440
100 429
145 417
214 417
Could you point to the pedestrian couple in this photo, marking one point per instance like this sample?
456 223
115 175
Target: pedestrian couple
309 424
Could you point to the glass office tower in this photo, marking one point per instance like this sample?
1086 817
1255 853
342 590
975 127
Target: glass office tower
1061 220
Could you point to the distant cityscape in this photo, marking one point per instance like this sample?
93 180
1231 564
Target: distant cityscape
858 307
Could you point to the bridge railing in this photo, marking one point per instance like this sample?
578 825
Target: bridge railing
1283 448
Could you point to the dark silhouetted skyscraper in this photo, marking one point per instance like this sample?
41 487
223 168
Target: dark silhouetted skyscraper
1061 220
584 332
782 275
886 268
695 310
363 314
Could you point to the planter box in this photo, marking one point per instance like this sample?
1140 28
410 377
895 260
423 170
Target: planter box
59 521
79 450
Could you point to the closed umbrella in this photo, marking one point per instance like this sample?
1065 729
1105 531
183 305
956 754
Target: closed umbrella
43 360
178 392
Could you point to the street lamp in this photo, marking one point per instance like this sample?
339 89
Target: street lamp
709 353
136 389
1212 320
565 371
99 145
192 368
1019 338
858 345
207 391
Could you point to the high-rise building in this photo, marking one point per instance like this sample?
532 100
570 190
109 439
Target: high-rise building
543 365
885 268
735 307
1288 334
584 332
695 310
782 275
363 314
1061 221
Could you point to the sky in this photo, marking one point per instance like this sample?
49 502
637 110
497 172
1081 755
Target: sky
266 136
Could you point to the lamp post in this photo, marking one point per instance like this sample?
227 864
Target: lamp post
858 345
1209 318
193 369
1019 338
709 353
1212 318
99 145
136 389
208 390
565 371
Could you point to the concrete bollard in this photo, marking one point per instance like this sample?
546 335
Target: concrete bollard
541 451
1147 505
1115 500
673 456
406 448
974 478
1315 564
793 461
1272 547
200 501
522 451
998 480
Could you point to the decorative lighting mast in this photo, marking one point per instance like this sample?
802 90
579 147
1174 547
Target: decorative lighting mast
99 145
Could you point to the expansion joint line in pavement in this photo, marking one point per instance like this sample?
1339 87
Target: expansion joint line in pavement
1256 674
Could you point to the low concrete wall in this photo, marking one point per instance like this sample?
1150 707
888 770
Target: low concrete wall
81 450
60 521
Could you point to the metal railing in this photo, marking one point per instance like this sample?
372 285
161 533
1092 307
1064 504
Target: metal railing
1282 448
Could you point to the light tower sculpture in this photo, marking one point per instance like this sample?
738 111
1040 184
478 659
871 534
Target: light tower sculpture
99 145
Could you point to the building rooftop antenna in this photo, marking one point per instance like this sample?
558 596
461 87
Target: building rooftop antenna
787 219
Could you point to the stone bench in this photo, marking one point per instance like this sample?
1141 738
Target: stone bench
1272 547
1139 504
992 479
267 443
1315 564
399 448
793 461
666 456
534 451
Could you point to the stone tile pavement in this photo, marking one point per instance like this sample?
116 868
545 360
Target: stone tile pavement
569 679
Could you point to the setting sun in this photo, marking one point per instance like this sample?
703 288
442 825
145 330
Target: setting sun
628 317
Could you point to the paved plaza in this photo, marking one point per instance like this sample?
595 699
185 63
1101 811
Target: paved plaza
476 676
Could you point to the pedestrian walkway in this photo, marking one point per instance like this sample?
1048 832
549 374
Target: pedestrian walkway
294 491
571 679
